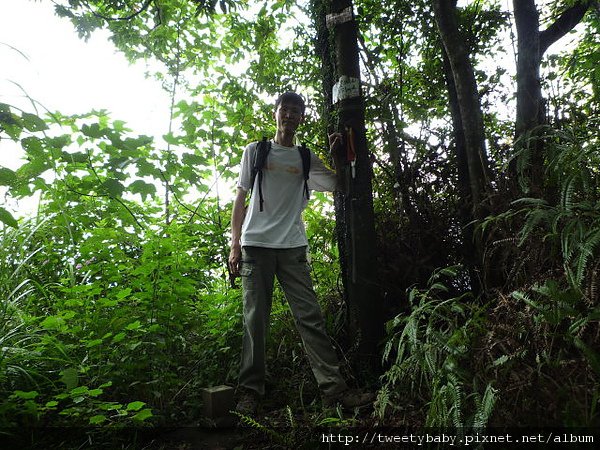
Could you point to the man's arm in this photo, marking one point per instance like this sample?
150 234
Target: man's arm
237 219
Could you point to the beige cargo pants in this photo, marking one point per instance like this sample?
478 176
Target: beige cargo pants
259 268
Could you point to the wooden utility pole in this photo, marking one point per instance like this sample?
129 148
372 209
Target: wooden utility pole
354 209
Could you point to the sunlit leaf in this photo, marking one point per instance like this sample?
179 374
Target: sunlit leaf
33 122
7 218
7 176
143 415
135 406
97 419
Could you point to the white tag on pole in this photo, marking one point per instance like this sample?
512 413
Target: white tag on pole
336 18
346 87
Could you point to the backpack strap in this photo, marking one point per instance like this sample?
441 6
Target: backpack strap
305 155
260 157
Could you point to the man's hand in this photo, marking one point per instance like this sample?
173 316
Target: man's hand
235 260
335 142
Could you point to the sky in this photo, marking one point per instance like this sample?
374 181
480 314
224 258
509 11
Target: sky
43 55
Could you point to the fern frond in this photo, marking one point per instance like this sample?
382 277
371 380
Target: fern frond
277 437
383 402
586 251
533 219
485 407
567 194
290 417
456 397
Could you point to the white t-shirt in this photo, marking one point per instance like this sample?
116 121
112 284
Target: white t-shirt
280 225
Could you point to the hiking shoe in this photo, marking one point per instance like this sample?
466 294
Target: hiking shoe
248 403
349 399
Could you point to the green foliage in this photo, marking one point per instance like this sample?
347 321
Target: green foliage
126 314
429 351
108 310
554 308
568 227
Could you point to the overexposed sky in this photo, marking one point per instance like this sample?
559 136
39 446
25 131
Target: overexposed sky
42 55
67 74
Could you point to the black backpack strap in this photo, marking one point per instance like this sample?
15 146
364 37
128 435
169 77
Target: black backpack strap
305 155
260 157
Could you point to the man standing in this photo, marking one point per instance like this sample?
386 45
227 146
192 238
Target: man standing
268 241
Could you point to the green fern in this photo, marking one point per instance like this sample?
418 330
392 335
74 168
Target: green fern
485 407
431 342
279 438
567 193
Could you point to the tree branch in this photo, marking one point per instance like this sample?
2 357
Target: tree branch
565 23
129 17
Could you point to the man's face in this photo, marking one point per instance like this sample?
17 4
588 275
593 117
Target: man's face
288 116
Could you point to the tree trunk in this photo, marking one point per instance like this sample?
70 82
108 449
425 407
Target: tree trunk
468 102
467 120
530 103
465 212
354 209
531 46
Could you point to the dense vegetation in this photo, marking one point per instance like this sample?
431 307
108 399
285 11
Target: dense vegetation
116 304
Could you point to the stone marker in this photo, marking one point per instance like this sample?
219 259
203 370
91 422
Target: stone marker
218 401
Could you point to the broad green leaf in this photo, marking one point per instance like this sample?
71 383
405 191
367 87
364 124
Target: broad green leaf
33 146
190 159
26 395
97 419
143 415
107 302
142 188
135 406
33 122
79 390
114 187
146 168
59 142
10 122
8 218
123 293
133 325
118 337
77 157
70 378
170 139
93 343
52 322
95 392
92 130
133 144
7 176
